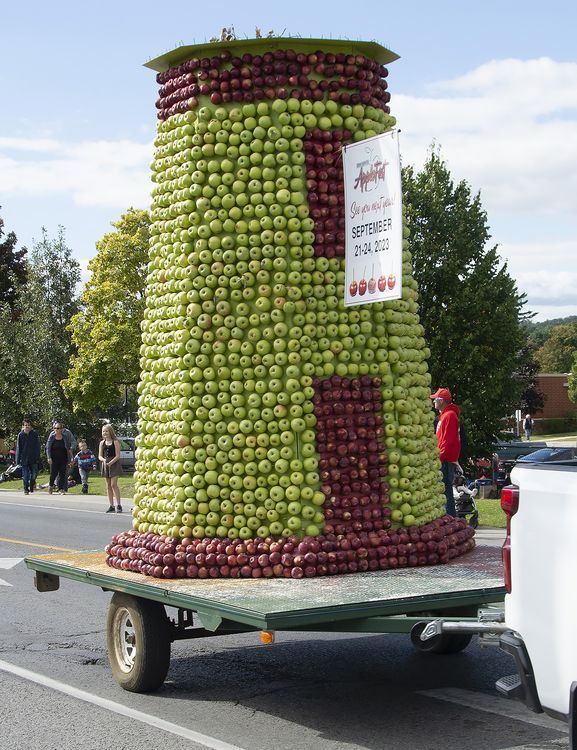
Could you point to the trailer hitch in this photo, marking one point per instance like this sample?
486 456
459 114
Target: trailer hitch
489 622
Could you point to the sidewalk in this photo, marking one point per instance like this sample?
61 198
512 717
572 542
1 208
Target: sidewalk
568 441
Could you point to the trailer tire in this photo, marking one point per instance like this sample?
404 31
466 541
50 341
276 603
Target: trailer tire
138 640
445 643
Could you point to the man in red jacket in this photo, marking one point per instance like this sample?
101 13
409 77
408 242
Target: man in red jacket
448 440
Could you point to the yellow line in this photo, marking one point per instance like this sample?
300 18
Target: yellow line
35 544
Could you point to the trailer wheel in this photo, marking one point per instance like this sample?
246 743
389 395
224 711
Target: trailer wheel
445 643
138 640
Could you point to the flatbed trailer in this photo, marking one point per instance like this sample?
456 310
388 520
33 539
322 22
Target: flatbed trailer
140 632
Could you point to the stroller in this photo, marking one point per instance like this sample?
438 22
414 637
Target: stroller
465 494
14 471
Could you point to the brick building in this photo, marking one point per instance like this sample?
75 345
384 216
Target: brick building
555 387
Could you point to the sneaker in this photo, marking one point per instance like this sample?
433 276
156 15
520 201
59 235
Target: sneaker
26 492
110 509
50 490
119 509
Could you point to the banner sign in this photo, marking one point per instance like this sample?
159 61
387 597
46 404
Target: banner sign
373 222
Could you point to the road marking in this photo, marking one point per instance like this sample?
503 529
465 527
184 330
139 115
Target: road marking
36 544
202 739
495 705
7 563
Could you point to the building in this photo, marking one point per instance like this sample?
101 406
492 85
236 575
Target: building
558 405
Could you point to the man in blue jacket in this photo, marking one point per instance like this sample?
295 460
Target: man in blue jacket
28 455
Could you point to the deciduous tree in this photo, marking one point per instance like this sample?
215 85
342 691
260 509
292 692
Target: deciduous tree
470 306
34 343
106 331
557 352
12 266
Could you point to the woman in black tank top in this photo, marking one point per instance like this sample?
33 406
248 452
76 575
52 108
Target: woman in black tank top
109 457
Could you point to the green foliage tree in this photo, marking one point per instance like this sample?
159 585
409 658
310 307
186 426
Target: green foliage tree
12 266
532 398
470 307
34 343
557 352
540 331
106 331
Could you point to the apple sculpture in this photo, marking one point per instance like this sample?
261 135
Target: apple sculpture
281 434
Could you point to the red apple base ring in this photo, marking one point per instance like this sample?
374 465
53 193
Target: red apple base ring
158 556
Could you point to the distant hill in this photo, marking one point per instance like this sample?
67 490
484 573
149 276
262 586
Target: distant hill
540 332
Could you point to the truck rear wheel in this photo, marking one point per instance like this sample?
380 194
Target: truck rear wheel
138 640
445 643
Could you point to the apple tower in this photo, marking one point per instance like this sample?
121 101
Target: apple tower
282 433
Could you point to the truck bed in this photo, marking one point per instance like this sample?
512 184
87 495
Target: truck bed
337 602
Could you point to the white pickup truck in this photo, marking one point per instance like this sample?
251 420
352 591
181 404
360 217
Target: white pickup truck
540 606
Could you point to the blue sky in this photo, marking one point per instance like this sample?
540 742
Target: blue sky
494 84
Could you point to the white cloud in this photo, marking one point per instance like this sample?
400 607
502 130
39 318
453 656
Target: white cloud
509 128
94 173
544 272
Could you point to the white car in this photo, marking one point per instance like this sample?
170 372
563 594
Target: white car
127 453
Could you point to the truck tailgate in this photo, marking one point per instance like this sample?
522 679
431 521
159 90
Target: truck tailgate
542 605
475 579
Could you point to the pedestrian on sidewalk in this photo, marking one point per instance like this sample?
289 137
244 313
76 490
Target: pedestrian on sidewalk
109 457
528 426
59 455
85 460
28 455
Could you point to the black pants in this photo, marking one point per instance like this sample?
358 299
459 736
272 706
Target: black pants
58 471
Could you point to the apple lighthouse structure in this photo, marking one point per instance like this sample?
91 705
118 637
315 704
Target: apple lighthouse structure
283 431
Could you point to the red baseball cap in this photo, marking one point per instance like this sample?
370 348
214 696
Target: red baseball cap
443 393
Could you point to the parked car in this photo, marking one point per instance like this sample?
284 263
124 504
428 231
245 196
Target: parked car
551 453
505 456
127 449
127 453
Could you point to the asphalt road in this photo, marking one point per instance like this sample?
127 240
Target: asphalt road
307 692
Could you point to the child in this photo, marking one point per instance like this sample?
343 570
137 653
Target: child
86 461
465 499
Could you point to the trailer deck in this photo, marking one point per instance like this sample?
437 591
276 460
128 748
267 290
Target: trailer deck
333 602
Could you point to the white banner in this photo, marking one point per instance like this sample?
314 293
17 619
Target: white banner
374 225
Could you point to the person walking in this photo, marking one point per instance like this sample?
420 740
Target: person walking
59 455
85 460
528 426
448 440
28 455
109 457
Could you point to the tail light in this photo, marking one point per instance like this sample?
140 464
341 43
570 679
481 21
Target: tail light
510 505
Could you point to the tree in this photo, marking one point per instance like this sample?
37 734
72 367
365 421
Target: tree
34 344
469 304
556 354
106 331
532 398
12 266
